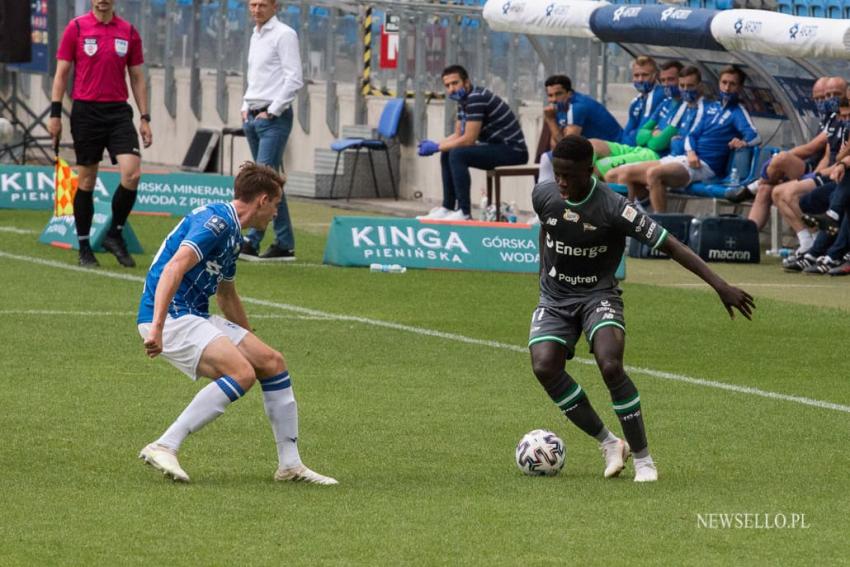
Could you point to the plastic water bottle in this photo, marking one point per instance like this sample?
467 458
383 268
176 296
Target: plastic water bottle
734 179
781 253
484 204
388 268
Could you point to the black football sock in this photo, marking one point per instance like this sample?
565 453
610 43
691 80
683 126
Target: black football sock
573 402
626 402
122 203
83 214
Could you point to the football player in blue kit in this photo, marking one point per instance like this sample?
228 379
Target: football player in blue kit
583 229
196 261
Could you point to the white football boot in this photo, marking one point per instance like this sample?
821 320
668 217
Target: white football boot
303 474
645 470
616 453
163 459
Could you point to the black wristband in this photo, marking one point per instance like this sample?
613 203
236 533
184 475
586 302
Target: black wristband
56 109
145 117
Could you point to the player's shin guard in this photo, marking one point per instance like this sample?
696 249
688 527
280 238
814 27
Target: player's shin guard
282 411
207 405
573 402
626 401
122 203
83 214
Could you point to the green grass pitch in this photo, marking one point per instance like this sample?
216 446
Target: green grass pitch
413 390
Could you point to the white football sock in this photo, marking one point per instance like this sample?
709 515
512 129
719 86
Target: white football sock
207 405
805 238
282 411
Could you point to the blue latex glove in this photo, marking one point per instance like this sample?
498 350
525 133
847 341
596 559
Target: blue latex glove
428 147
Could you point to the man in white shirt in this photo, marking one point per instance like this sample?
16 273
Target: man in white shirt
274 77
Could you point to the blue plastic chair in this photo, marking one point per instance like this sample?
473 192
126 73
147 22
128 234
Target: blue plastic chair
387 130
785 7
745 160
817 8
801 8
834 9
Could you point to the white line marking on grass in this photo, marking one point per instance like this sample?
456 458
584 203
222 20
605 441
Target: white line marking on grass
16 230
64 313
460 338
755 284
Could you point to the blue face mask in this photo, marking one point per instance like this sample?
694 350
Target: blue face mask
672 91
458 95
820 107
830 105
728 98
690 95
644 87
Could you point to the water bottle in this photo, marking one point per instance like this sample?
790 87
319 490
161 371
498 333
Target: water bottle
484 203
781 253
734 180
388 268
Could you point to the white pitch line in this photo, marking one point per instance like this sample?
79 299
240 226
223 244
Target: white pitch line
460 338
757 284
16 230
64 313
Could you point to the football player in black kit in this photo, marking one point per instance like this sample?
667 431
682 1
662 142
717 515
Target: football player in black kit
583 233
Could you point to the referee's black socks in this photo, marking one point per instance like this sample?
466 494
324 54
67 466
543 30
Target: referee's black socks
122 203
83 214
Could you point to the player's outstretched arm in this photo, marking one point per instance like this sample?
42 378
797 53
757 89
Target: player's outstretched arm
731 296
231 305
169 282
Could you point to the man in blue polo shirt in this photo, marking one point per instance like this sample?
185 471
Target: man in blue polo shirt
573 113
487 134
725 126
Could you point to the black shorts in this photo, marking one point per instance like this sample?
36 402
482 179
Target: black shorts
96 126
816 201
565 323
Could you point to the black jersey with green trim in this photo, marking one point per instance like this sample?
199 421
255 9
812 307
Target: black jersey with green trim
584 241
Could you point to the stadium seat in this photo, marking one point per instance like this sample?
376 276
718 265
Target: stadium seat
785 6
748 162
834 9
387 130
817 8
801 8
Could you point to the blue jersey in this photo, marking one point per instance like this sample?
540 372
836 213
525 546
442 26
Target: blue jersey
663 114
593 118
214 234
710 137
640 110
684 119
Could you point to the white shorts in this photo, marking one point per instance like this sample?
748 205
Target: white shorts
185 338
704 172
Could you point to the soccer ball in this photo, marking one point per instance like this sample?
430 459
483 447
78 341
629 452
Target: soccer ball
540 453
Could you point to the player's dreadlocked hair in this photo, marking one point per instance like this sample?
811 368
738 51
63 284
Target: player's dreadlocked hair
254 179
574 148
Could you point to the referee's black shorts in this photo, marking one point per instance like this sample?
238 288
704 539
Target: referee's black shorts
96 126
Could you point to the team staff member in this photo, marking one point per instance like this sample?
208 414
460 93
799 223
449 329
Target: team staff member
101 46
274 76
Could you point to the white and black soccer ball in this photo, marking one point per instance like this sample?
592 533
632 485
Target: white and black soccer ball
540 453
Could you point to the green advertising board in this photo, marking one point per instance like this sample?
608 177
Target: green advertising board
31 187
61 231
414 243
502 247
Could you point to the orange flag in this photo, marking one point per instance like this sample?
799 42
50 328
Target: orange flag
65 185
